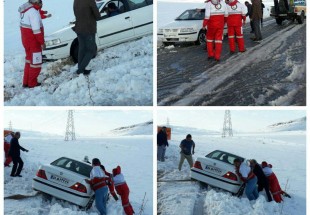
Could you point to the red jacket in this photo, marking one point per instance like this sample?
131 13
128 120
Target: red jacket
236 13
32 31
215 15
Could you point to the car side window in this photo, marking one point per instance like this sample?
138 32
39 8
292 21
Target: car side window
135 4
113 8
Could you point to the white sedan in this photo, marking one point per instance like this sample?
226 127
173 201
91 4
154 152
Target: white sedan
135 20
217 169
186 28
65 179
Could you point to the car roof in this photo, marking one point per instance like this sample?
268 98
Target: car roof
73 160
227 153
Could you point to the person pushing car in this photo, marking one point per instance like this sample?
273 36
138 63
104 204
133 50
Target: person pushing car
186 151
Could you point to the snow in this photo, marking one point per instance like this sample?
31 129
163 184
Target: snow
285 150
124 151
121 75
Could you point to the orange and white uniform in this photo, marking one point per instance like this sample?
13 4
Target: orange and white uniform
215 17
236 18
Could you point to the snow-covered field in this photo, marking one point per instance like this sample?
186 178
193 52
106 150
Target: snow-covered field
285 150
121 75
125 151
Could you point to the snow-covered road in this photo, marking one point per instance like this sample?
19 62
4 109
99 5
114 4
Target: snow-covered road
269 73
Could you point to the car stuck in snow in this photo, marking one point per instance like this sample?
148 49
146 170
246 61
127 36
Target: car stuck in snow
217 169
134 20
65 179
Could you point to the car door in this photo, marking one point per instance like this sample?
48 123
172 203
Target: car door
142 16
116 28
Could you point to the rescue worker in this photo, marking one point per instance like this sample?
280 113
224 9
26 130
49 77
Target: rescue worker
248 177
99 181
15 154
111 184
8 135
186 151
262 180
235 21
274 185
162 143
215 18
122 190
32 34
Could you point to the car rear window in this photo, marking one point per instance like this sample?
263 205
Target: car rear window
224 157
73 165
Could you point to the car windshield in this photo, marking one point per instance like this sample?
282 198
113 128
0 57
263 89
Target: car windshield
195 14
302 3
224 157
73 166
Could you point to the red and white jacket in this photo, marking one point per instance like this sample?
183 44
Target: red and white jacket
120 184
31 25
215 15
236 13
98 179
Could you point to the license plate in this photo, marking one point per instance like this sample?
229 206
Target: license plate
213 169
59 179
170 35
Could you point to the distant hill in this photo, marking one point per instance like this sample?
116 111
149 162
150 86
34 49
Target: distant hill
145 128
180 130
292 125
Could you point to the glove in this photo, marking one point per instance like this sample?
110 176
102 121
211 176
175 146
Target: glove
115 197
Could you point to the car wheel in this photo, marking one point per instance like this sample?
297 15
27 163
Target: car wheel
167 44
201 39
301 18
279 21
74 52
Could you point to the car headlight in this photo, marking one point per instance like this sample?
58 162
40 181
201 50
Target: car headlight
160 31
189 30
52 42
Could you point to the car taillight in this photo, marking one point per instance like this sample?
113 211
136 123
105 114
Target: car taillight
231 176
41 174
79 187
197 165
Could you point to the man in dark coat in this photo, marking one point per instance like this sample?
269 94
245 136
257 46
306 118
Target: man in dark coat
15 154
255 16
162 143
86 14
262 180
187 150
249 6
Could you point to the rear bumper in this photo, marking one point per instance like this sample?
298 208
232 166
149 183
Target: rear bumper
222 183
60 192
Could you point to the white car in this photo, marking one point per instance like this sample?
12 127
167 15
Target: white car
65 179
135 20
217 169
186 28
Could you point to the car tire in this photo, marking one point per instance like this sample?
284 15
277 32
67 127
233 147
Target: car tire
74 52
201 39
167 44
279 21
301 18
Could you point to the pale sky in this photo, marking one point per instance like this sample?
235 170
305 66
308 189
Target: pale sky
87 123
242 120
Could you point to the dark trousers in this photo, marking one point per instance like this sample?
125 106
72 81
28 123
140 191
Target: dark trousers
256 24
266 187
87 50
17 161
252 25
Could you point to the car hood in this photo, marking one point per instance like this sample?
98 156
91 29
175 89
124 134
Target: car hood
197 24
64 34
